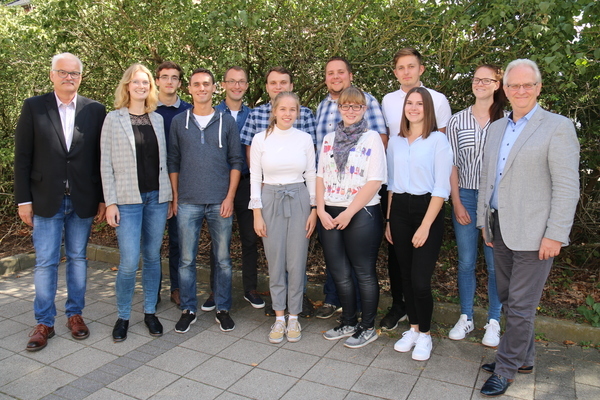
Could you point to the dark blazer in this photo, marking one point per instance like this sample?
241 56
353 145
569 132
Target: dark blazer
43 164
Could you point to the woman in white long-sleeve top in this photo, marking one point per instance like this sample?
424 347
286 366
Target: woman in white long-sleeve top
419 168
137 191
283 159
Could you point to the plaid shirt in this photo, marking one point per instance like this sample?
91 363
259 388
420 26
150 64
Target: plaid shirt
328 117
258 121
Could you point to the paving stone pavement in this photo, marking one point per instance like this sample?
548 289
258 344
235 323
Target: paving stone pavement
206 363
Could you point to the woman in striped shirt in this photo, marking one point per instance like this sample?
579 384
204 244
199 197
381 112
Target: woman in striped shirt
467 132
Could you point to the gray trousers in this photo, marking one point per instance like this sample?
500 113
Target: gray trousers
285 210
520 278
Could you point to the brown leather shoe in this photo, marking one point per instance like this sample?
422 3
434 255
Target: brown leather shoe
39 337
78 328
175 297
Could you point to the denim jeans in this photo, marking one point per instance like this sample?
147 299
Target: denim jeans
467 241
190 217
47 239
141 224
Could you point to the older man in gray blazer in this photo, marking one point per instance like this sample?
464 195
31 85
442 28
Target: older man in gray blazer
528 194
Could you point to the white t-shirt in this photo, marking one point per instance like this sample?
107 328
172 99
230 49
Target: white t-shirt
366 162
393 104
203 120
283 157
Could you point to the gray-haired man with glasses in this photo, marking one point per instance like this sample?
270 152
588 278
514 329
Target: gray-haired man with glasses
528 194
58 191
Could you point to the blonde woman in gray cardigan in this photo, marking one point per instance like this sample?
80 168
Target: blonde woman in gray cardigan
137 191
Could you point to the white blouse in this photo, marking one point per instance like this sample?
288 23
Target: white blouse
366 162
284 157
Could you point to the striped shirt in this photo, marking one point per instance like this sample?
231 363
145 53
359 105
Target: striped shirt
467 140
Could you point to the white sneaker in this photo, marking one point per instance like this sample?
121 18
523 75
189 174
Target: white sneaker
462 327
409 339
423 347
492 334
294 330
277 331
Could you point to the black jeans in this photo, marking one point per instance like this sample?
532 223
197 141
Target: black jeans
393 268
248 237
355 249
416 264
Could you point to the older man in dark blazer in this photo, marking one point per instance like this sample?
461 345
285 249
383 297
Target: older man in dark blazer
527 198
58 190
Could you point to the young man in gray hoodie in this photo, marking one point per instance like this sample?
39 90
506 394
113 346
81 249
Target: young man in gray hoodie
205 163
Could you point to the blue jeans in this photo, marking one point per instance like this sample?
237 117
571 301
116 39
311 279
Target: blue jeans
47 239
190 217
467 241
141 224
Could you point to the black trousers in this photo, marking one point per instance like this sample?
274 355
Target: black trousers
416 264
394 274
355 249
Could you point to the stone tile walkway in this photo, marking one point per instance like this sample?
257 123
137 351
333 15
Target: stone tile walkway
206 363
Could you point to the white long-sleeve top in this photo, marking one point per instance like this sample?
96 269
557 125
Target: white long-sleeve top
283 157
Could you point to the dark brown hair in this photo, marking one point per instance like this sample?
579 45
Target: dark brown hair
342 59
281 70
429 122
169 65
497 108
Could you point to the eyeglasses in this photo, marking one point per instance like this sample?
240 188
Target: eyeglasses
63 74
485 81
140 83
526 86
237 83
169 78
354 107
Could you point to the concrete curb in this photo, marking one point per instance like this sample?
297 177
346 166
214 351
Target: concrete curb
552 329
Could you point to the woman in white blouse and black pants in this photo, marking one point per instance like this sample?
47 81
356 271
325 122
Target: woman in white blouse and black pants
419 168
283 158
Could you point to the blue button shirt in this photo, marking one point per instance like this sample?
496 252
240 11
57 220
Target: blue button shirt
511 134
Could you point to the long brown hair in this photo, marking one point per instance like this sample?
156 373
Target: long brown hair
429 122
276 101
497 108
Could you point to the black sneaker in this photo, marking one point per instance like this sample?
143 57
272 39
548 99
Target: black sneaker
269 312
254 298
225 322
209 304
187 318
307 308
395 314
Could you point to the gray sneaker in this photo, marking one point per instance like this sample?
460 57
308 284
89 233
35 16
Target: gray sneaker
327 310
361 337
339 332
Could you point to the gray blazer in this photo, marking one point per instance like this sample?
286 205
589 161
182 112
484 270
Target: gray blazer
539 189
118 166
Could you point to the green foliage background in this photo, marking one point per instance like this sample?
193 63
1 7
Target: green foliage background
453 35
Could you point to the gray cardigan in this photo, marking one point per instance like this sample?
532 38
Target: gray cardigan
118 165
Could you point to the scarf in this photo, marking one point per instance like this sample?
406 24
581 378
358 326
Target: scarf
346 138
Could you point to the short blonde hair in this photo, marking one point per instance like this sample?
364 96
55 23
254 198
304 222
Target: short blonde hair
122 98
352 94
